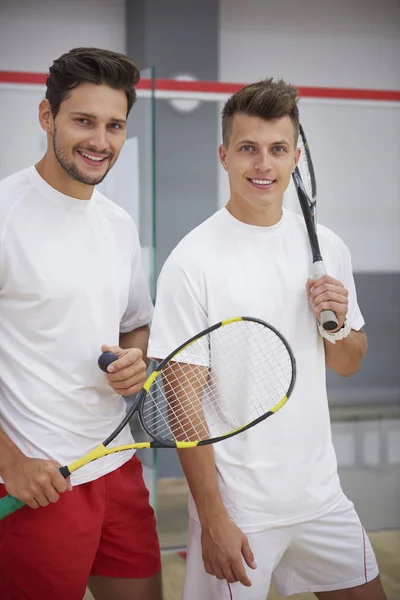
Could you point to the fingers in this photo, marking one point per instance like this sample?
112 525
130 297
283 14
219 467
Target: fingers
322 280
37 495
233 571
327 293
129 386
329 300
240 574
127 374
228 574
231 566
49 484
60 484
248 554
127 359
136 369
46 496
238 567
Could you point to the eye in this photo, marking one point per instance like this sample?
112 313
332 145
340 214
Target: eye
83 121
279 149
115 126
247 148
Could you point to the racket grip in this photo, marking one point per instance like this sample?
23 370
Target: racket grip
8 505
328 318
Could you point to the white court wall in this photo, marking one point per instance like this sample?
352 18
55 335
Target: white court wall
32 34
35 32
355 145
345 43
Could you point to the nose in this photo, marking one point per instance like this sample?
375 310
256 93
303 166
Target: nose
99 138
263 161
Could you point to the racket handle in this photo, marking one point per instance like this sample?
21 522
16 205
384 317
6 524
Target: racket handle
328 318
8 505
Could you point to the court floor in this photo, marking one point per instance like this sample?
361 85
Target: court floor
386 546
172 512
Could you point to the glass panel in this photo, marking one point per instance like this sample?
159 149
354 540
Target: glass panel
141 128
131 183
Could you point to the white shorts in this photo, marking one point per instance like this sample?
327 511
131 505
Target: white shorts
332 552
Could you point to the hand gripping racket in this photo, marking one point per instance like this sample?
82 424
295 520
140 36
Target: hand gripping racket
217 384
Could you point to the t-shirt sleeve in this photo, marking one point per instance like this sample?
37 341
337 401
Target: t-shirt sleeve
354 315
139 310
180 310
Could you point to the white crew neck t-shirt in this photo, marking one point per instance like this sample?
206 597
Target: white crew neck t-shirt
283 470
71 280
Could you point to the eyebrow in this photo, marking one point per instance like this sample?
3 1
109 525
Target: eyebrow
94 118
252 143
249 142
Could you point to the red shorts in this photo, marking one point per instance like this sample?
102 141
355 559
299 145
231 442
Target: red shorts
105 527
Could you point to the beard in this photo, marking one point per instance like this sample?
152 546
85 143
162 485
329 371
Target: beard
72 169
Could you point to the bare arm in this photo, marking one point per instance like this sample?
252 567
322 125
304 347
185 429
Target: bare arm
345 356
199 467
138 338
224 545
9 452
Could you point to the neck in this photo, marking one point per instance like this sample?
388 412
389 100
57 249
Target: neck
261 216
52 172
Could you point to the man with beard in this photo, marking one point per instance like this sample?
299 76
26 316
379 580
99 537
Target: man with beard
71 286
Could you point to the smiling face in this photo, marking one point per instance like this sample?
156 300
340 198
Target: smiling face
86 136
260 158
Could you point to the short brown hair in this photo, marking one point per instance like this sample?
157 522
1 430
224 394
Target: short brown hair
94 65
267 99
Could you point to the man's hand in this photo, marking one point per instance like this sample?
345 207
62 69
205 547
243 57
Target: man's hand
127 374
224 546
34 481
327 293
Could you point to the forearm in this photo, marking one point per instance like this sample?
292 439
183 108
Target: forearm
138 338
345 356
9 452
198 465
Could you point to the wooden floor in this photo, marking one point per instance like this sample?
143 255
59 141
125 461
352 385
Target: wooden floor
172 519
387 550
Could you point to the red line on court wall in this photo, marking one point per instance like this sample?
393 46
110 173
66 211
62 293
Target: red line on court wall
223 87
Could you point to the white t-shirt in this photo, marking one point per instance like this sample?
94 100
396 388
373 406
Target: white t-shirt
283 470
71 280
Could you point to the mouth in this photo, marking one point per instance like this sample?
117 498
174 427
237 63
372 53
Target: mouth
261 184
93 159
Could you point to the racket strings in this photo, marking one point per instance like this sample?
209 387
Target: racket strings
305 170
219 383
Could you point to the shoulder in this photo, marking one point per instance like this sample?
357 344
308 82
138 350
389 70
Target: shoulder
13 189
111 208
328 239
116 216
195 247
331 241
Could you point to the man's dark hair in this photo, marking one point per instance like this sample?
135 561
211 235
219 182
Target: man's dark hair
93 65
267 99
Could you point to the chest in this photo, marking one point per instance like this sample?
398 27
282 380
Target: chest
264 279
65 259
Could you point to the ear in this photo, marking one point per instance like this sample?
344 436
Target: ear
46 117
296 159
222 151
